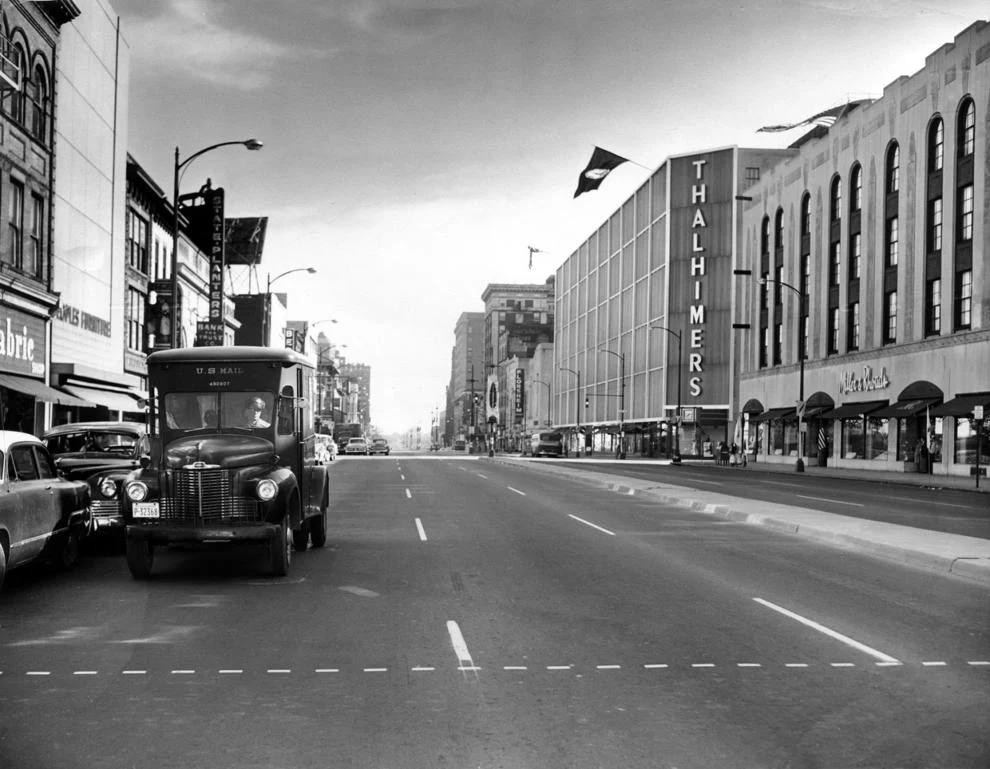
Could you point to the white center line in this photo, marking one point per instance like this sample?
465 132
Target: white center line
460 647
592 525
183 672
408 494
421 530
133 672
827 631
402 477
278 670
698 480
833 501
39 673
422 669
327 670
84 672
482 476
230 672
521 493
655 666
376 670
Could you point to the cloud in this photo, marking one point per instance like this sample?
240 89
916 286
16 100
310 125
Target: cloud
189 37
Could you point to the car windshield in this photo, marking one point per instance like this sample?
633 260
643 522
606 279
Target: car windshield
186 412
92 441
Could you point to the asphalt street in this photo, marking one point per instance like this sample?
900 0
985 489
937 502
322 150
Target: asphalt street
473 614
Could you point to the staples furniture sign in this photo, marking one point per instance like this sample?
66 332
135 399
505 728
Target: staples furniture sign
701 201
22 343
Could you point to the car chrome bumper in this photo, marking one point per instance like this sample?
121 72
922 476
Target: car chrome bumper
170 533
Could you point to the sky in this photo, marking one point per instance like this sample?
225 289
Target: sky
415 149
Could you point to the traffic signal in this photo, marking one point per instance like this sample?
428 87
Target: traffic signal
586 404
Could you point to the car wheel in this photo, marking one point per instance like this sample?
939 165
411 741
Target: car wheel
68 556
280 549
300 537
3 564
318 529
140 557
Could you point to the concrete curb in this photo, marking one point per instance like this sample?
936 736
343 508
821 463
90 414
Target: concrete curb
953 554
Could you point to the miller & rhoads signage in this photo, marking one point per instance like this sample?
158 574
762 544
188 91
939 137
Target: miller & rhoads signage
701 199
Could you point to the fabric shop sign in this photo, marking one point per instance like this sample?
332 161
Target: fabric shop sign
22 343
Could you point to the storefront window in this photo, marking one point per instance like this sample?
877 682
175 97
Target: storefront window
877 438
909 430
853 444
935 440
965 451
791 439
775 439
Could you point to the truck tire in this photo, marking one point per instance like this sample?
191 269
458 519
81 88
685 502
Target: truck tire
300 536
280 549
140 557
318 529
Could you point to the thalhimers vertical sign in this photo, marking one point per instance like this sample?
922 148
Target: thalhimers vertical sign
700 273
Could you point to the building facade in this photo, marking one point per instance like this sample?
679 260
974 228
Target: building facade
518 318
868 251
467 380
646 360
355 392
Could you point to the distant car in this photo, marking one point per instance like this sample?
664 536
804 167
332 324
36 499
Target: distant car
356 446
546 445
102 454
42 514
378 446
460 445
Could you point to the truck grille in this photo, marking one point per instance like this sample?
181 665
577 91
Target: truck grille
205 496
104 508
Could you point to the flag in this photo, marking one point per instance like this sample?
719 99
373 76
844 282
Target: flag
825 118
601 163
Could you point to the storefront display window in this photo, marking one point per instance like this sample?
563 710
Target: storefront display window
965 448
790 439
853 444
935 440
775 438
877 438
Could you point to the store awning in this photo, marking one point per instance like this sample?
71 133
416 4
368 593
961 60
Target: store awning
908 408
849 410
962 405
770 414
41 391
113 400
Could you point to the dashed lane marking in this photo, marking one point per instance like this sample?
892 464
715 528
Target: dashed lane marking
833 501
520 493
421 530
408 494
592 525
827 631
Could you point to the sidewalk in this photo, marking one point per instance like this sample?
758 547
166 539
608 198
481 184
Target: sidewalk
955 554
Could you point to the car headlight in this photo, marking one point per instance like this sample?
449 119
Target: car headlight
108 487
267 489
137 491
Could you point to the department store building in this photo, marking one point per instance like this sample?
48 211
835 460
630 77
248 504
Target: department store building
867 248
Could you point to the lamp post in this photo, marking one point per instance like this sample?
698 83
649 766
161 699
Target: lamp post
676 454
577 421
474 420
496 405
251 144
622 399
802 297
267 319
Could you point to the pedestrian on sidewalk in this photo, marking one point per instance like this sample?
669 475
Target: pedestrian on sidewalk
734 454
723 452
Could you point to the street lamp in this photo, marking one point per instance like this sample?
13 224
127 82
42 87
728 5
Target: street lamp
676 454
266 320
577 427
497 406
251 144
802 297
622 399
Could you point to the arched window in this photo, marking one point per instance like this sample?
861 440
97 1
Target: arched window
778 229
967 128
14 99
37 93
893 172
765 236
835 200
856 189
936 145
806 215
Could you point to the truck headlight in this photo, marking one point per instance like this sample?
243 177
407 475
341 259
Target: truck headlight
108 487
137 491
267 489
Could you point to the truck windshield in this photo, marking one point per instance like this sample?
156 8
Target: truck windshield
188 411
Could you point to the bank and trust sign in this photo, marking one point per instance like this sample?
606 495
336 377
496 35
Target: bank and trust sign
22 343
700 260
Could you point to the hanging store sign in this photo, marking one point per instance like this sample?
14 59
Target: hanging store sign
22 343
519 395
214 203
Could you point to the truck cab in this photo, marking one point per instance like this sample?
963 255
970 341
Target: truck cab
233 456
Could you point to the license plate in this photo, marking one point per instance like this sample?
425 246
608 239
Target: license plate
146 510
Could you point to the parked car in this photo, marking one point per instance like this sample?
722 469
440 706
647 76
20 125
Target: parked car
546 445
326 449
102 454
460 445
378 446
42 514
356 446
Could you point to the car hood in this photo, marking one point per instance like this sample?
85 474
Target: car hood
80 467
224 451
